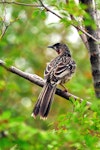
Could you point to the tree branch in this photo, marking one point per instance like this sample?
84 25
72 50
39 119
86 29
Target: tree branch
5 27
77 27
40 82
83 36
49 10
18 3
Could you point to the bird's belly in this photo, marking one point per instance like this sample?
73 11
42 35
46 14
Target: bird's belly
66 78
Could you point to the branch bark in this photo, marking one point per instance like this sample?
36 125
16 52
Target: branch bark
77 27
40 82
18 3
83 35
51 11
94 48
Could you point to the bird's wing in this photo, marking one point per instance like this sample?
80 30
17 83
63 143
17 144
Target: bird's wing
64 68
56 70
49 68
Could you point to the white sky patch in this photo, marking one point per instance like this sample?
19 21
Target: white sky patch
52 18
77 1
73 36
54 38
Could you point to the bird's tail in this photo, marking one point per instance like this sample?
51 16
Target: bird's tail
44 102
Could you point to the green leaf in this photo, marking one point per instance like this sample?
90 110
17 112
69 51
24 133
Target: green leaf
36 12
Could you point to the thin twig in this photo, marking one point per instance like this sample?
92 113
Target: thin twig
18 3
40 82
49 10
5 27
5 22
77 27
4 31
83 36
86 33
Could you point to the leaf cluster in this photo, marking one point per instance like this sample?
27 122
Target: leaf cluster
79 130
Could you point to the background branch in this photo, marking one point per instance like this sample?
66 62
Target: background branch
40 82
77 27
18 3
49 10
5 27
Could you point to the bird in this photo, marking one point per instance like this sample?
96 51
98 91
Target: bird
58 71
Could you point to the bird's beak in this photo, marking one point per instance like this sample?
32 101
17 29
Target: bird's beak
50 46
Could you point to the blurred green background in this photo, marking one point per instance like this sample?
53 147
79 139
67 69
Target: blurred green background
24 45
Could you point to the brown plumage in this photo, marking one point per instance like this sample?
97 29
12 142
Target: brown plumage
58 71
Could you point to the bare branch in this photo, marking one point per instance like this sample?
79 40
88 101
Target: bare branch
5 21
18 3
83 36
86 33
40 82
77 27
5 27
49 10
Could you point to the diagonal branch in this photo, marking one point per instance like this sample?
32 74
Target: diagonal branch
18 3
77 27
47 9
40 82
4 29
6 26
51 11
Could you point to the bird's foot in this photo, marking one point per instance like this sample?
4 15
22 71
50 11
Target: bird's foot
64 88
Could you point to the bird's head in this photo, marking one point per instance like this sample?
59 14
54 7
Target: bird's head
60 48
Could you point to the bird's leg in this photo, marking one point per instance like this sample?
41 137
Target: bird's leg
65 89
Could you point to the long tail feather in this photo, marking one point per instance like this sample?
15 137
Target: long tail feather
44 102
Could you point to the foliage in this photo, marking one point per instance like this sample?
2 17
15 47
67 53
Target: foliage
24 45
79 129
